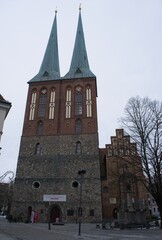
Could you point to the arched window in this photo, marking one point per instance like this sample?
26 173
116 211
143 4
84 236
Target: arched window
40 128
78 101
103 168
127 152
38 149
78 126
89 101
52 104
78 148
32 105
109 151
68 103
42 103
104 189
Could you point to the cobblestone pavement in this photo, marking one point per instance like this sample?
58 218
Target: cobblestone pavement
21 231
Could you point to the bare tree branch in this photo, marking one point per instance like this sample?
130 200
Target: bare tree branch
143 122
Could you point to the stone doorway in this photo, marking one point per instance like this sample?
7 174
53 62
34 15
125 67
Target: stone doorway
115 213
55 214
29 210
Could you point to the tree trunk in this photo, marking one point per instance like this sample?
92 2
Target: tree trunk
160 210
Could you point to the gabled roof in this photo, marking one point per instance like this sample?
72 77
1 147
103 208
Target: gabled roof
3 100
4 104
50 69
79 63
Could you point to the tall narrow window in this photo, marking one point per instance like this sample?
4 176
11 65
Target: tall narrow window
78 126
52 104
38 149
78 101
78 148
89 101
32 105
40 128
42 103
68 103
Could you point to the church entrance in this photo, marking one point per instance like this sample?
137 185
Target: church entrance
115 213
55 214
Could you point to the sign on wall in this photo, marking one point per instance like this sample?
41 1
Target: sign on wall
54 198
113 200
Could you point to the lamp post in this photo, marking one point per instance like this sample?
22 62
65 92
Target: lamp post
81 173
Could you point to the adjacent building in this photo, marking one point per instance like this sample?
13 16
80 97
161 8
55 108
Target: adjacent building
121 175
153 208
4 187
4 109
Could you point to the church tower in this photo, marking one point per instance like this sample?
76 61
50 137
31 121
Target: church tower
60 141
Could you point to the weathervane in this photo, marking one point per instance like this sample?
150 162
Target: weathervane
80 7
56 10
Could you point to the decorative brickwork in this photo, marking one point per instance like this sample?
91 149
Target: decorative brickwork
121 172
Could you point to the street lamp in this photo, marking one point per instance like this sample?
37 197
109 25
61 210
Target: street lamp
81 173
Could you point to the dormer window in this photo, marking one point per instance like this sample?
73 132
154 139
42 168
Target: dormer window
45 74
78 71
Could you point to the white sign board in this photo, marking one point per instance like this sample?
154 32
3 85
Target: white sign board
54 198
113 200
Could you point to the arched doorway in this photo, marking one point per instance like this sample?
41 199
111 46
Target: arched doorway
115 212
55 214
29 210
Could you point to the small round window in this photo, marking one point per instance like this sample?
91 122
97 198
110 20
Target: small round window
36 185
75 184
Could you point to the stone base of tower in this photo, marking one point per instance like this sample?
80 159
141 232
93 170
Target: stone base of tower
55 212
54 172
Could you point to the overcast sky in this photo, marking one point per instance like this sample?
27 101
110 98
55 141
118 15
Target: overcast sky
124 45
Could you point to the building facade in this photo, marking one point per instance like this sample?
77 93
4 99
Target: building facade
60 139
121 175
4 109
61 172
153 208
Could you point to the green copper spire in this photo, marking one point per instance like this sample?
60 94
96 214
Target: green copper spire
79 64
50 69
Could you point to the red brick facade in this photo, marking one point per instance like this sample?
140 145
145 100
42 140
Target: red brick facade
120 177
55 166
60 124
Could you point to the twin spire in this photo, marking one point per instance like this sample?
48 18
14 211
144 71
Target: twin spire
50 69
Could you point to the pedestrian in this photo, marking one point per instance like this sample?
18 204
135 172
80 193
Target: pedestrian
32 216
35 216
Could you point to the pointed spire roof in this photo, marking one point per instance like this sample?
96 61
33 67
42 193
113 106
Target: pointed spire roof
50 69
79 64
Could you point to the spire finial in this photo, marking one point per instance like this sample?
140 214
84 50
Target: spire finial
56 10
80 7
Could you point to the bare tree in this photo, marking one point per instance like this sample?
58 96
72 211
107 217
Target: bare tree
143 122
